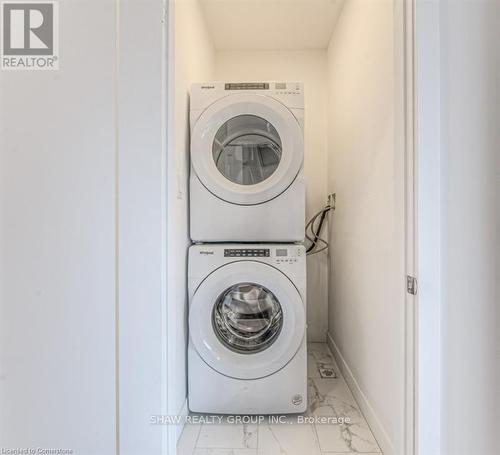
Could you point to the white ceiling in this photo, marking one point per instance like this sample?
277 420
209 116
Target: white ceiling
271 24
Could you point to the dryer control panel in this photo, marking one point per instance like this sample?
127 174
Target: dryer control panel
289 93
278 88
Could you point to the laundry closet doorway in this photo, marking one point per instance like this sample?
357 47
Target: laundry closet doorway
356 66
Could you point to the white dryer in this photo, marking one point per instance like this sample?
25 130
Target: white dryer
247 349
247 155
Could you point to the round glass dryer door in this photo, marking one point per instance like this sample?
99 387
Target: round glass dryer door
247 148
246 320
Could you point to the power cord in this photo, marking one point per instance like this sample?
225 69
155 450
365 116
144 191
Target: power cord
317 243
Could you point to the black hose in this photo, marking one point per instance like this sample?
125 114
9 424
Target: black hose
318 231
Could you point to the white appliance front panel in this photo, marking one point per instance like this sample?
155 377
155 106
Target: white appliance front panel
281 219
219 356
289 141
284 392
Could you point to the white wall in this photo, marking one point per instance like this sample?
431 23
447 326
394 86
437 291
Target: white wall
470 118
308 66
82 243
193 62
366 283
57 243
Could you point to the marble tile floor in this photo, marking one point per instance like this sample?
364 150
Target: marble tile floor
328 396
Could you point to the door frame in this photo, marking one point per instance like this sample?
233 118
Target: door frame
426 70
411 216
404 128
172 433
420 68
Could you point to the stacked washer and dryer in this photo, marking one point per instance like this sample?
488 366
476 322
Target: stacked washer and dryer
247 268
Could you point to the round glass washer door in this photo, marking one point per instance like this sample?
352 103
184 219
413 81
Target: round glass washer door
247 149
246 320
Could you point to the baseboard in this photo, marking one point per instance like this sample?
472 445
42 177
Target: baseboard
316 338
371 417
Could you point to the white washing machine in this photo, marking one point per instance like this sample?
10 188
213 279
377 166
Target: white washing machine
247 154
247 349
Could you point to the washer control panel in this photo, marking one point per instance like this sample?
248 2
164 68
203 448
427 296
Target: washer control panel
247 252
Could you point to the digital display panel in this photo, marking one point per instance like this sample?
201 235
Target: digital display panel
281 252
246 252
247 86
